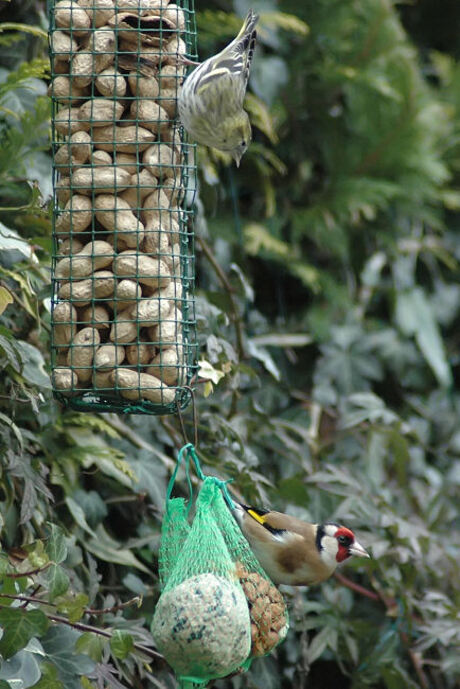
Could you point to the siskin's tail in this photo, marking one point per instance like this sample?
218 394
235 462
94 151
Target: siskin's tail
249 25
243 45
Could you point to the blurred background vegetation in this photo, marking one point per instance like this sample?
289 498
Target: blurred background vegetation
329 317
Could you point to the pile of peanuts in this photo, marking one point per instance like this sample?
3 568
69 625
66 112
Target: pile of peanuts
118 320
267 611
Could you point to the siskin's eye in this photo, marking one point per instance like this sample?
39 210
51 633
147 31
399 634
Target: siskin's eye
243 143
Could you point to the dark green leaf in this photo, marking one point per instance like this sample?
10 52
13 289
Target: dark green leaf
56 546
33 369
415 317
73 605
57 580
59 644
121 644
49 678
92 645
23 667
19 626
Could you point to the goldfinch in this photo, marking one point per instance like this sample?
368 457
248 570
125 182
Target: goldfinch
211 101
295 552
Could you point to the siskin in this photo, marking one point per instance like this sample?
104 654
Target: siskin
211 100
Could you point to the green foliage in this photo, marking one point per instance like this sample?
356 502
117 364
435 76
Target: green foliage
329 306
19 626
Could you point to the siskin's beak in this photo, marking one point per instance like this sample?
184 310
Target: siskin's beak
236 155
358 550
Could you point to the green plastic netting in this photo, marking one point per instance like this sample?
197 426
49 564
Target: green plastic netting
218 609
123 319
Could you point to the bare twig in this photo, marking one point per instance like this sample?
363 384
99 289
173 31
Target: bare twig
154 655
416 660
88 611
27 599
389 603
30 573
345 581
137 600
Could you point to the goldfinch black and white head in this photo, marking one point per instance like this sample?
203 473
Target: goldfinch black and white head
295 552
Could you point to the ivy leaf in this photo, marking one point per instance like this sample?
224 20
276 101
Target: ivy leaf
318 644
22 667
49 678
87 684
78 514
56 546
92 505
33 369
415 317
73 606
57 580
208 371
262 355
36 554
59 644
5 299
106 548
8 422
92 645
8 349
19 626
121 644
14 245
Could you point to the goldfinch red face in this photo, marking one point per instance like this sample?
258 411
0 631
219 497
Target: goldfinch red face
337 543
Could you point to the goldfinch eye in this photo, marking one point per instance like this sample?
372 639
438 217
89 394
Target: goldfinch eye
344 540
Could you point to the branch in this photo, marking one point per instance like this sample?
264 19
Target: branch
31 572
87 611
389 603
137 600
416 660
26 599
345 581
105 633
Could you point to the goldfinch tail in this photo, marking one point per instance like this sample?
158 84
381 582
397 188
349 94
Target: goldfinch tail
238 512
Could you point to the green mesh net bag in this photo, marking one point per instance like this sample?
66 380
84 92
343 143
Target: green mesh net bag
218 609
123 320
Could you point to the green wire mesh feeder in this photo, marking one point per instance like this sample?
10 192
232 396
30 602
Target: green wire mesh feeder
218 610
123 319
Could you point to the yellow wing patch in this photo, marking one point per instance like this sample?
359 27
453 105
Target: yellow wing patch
259 518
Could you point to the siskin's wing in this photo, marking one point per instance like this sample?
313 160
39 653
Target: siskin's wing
232 64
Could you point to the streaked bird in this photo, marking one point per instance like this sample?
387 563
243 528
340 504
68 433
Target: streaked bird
211 101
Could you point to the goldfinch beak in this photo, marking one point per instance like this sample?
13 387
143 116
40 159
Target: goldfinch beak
358 550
